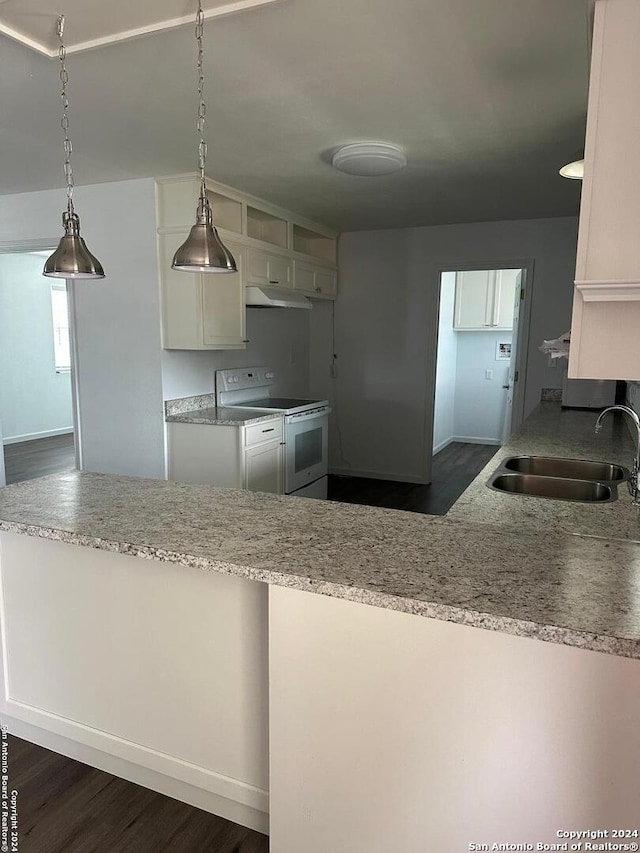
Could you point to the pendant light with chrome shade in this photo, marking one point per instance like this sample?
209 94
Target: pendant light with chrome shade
71 259
203 250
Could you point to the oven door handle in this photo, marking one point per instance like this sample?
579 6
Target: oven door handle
307 416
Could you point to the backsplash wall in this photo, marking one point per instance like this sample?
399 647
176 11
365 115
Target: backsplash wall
278 338
633 396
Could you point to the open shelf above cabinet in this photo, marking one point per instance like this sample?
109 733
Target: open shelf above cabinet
314 244
266 227
227 212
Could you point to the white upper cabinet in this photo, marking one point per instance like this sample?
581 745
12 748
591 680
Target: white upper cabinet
269 268
208 311
201 311
315 280
606 307
484 300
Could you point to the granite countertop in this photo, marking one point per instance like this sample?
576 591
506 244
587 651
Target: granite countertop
202 409
222 416
561 588
553 431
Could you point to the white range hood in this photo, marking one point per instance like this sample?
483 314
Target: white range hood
275 297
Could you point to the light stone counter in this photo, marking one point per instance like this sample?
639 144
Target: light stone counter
202 409
553 431
222 416
566 589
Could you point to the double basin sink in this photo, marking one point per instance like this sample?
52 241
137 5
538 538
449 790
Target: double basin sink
559 479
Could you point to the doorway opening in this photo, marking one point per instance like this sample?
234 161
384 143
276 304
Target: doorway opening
37 404
479 372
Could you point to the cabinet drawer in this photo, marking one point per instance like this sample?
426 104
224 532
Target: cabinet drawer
265 431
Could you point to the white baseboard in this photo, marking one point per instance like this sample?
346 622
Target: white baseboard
444 444
178 789
378 475
474 439
32 436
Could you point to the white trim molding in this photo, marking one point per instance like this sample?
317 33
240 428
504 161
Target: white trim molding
622 290
126 35
34 436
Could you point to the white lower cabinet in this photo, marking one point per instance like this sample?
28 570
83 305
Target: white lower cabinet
201 311
235 457
315 280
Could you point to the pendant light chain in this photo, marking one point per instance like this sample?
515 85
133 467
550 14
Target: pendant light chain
203 250
72 259
64 122
202 107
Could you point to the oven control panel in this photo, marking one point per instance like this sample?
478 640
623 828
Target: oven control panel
243 378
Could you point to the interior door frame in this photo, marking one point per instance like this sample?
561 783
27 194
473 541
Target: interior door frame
15 247
527 267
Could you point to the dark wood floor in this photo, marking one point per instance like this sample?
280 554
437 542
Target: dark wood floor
68 807
29 459
453 470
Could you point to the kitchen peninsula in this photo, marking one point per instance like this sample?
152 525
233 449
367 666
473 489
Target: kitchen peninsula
269 659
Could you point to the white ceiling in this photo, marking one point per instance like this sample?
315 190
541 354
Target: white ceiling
488 98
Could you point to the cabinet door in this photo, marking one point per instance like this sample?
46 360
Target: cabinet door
280 271
474 302
223 305
265 268
180 298
326 283
317 281
257 267
200 311
305 278
263 466
504 298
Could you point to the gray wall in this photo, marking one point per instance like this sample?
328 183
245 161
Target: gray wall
386 320
278 338
35 401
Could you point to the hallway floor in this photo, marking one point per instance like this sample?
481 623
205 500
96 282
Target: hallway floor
453 470
29 459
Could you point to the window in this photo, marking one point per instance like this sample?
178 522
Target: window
61 348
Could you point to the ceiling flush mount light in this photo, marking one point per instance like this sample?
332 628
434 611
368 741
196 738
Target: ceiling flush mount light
71 259
574 170
369 159
203 250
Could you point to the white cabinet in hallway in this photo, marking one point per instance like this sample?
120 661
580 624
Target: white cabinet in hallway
484 299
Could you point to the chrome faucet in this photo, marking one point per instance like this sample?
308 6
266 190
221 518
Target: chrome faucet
634 489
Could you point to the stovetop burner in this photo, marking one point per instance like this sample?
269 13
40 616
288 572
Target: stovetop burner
276 403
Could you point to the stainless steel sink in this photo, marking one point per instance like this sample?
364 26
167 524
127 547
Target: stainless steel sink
573 469
558 488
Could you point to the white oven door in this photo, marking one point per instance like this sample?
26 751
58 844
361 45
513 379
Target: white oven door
307 444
